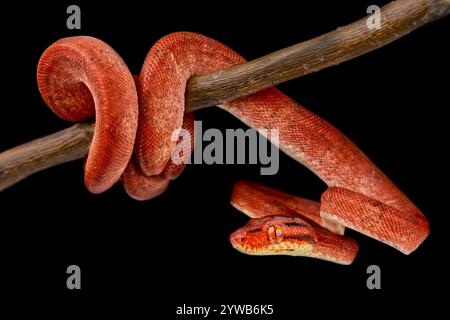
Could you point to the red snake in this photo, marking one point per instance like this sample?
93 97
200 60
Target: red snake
80 77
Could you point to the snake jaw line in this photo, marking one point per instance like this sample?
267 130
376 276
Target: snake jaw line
288 249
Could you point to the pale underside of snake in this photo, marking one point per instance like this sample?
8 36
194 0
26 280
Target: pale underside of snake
82 77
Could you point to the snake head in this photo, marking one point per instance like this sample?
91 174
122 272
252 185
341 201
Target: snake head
275 235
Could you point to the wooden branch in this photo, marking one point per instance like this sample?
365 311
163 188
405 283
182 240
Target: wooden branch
397 19
37 155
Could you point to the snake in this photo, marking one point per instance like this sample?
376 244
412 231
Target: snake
136 117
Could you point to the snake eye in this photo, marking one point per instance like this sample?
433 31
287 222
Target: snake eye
274 234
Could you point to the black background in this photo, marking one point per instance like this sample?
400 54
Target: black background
174 249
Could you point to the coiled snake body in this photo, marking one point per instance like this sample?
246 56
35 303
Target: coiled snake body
80 77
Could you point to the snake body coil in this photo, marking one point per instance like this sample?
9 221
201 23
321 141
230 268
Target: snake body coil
82 76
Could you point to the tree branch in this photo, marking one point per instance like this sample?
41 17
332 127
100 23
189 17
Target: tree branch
397 19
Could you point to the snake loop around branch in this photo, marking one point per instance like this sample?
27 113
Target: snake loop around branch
82 76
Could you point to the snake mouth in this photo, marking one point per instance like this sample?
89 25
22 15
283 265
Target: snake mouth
275 235
287 248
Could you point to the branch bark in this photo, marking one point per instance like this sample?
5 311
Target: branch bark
398 18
